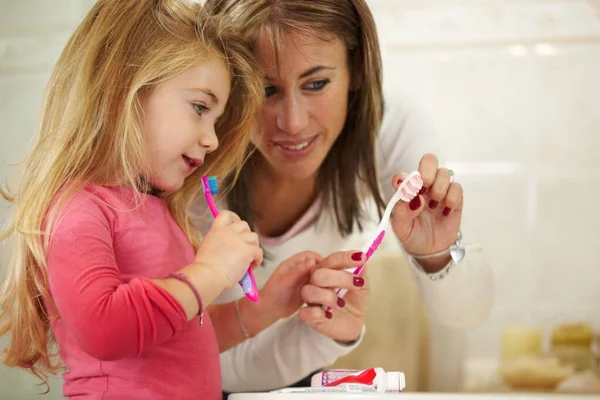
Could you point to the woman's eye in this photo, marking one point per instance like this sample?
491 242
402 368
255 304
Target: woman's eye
270 91
317 85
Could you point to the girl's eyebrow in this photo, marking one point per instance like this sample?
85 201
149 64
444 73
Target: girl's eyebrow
212 96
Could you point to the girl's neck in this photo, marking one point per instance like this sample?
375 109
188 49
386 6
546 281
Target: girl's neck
278 201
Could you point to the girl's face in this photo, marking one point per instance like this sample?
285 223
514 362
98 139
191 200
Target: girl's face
306 105
179 122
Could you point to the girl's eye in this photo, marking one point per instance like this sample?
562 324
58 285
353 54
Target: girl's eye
199 108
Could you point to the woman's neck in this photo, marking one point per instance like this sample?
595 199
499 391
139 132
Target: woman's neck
277 200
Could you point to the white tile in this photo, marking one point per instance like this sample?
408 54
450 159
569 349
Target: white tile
567 244
410 24
27 54
491 106
20 106
20 385
32 17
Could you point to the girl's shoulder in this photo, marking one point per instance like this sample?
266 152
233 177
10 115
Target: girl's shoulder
94 204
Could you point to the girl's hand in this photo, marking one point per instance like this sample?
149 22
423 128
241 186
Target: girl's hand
231 247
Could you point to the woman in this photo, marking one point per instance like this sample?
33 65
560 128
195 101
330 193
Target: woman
328 155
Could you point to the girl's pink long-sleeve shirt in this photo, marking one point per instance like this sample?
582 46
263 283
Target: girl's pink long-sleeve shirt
120 335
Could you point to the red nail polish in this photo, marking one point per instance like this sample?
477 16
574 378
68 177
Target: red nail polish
415 203
356 256
423 190
433 204
446 211
328 314
399 182
358 281
340 302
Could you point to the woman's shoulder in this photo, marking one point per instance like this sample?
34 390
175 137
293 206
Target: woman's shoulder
401 112
406 124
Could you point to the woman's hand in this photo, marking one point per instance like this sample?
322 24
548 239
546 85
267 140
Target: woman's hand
344 322
431 221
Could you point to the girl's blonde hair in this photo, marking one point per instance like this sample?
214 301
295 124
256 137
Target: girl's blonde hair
90 131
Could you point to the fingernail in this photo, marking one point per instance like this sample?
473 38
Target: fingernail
433 204
423 190
399 182
328 314
356 256
358 281
415 203
340 302
446 212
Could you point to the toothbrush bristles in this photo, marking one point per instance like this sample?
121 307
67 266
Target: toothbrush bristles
213 184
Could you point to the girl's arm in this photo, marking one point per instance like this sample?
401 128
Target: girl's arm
108 317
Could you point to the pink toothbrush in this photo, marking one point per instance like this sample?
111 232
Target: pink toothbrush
248 283
408 190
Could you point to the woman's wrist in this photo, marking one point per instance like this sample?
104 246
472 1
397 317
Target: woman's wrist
253 317
434 264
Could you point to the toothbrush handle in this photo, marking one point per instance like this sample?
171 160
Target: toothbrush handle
374 245
248 283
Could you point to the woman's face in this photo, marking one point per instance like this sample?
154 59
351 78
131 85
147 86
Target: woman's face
306 102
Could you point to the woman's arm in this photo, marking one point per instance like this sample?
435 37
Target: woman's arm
296 346
279 298
463 297
233 326
279 356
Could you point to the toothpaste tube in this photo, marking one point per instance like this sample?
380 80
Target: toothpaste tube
377 379
346 388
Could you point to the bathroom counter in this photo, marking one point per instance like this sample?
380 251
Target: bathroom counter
408 396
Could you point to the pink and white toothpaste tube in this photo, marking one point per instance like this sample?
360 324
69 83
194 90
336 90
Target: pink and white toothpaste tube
408 190
372 380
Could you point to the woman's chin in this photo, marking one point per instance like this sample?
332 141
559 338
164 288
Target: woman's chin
299 173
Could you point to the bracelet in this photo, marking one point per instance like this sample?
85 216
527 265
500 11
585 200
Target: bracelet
181 277
457 253
239 319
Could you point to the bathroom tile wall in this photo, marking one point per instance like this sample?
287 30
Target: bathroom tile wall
513 88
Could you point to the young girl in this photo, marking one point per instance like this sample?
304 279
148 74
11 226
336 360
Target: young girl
105 263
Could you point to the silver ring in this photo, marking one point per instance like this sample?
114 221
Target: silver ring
451 175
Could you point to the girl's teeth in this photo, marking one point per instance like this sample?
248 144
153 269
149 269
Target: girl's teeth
297 147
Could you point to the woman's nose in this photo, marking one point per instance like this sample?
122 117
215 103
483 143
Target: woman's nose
292 116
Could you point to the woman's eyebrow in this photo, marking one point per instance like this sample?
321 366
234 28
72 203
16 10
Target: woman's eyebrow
306 73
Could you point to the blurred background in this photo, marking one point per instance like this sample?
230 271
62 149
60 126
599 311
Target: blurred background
513 88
